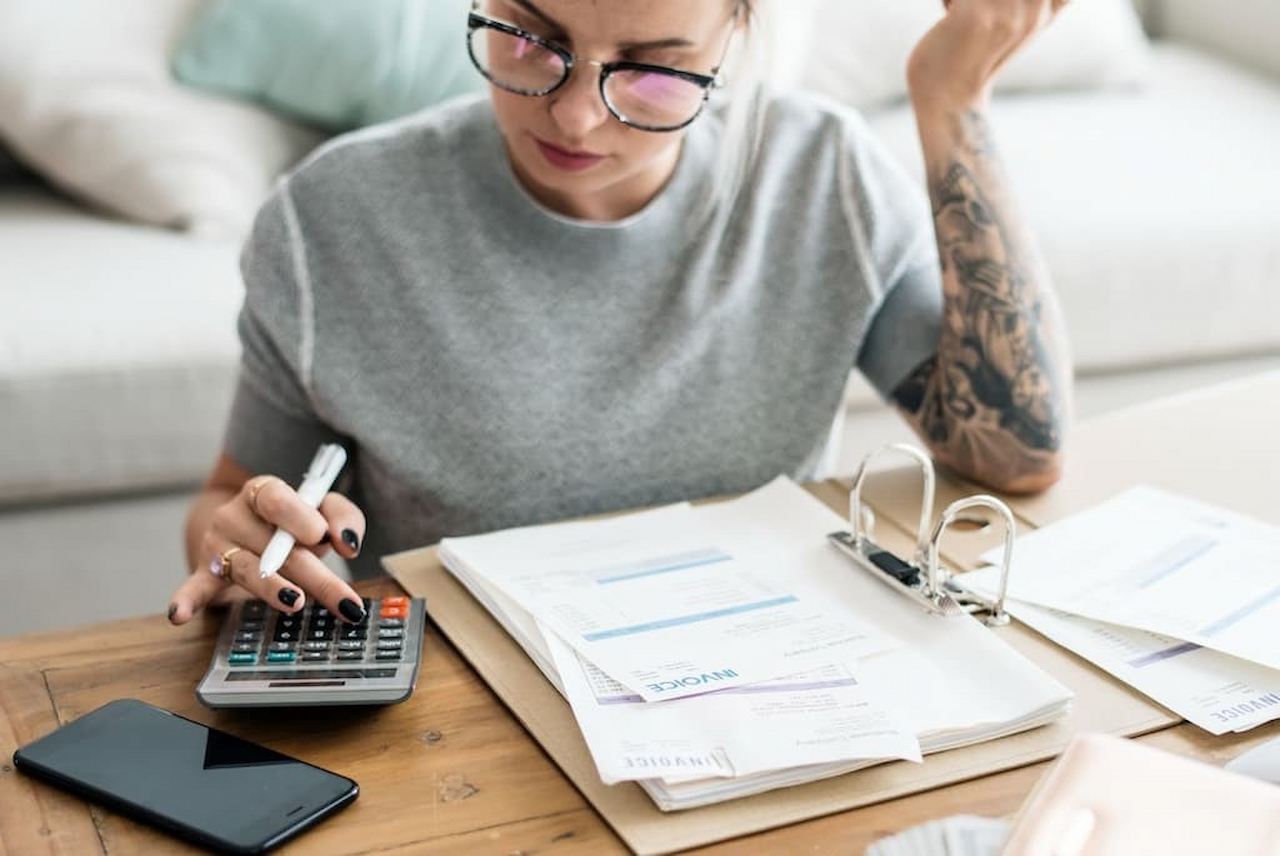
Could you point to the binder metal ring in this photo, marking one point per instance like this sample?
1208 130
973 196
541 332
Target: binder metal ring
923 578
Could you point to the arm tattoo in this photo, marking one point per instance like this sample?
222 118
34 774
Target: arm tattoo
990 401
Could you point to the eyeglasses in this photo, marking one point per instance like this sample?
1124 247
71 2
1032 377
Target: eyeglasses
639 95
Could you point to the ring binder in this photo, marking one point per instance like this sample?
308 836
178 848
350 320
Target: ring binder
923 578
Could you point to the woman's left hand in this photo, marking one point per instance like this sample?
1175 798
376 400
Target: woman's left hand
956 62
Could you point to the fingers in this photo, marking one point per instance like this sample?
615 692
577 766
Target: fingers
235 523
194 595
279 505
279 592
322 585
346 524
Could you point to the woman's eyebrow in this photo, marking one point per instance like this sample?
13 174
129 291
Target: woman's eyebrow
538 13
656 44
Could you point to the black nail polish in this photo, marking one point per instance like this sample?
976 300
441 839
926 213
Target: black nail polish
351 610
173 609
351 539
288 596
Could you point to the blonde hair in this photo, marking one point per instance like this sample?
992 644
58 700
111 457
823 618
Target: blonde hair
747 84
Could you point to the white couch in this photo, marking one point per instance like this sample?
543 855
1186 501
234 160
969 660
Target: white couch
1156 210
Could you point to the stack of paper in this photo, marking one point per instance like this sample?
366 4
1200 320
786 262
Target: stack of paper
1177 598
726 650
962 835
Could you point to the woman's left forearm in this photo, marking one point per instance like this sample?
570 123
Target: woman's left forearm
993 402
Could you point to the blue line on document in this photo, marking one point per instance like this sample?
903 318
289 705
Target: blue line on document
1177 557
1165 654
1241 613
664 565
664 623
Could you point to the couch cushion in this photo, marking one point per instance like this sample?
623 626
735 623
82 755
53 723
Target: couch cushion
87 101
117 350
1156 210
341 64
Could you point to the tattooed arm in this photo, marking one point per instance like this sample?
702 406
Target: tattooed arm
992 402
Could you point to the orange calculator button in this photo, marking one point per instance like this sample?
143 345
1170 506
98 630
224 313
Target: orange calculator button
396 601
394 612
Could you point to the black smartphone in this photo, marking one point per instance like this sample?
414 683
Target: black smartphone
194 781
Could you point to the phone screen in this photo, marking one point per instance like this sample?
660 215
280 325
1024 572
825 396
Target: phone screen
187 776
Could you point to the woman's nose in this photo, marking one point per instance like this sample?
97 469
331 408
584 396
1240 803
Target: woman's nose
577 107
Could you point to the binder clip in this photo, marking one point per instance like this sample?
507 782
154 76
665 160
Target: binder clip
923 578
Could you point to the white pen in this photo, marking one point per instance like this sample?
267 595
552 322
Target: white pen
321 475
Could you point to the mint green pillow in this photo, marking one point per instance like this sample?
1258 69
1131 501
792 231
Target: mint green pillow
337 63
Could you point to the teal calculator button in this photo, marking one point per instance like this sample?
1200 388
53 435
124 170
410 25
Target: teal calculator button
280 657
237 659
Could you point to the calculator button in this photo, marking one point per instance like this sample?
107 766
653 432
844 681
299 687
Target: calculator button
319 635
285 636
390 633
280 657
351 655
396 602
352 633
391 622
244 636
351 645
280 646
388 644
254 609
251 626
315 646
241 659
394 612
315 656
388 655
244 648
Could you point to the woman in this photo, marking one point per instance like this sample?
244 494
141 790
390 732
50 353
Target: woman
588 292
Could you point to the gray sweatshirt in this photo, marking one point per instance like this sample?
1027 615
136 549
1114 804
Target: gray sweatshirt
490 363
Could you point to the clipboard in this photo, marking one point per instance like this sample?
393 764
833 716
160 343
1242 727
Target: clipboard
1102 704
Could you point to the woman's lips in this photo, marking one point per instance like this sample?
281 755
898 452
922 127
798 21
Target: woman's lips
570 161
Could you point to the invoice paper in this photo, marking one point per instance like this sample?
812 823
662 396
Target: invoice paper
1212 690
816 716
663 605
1162 563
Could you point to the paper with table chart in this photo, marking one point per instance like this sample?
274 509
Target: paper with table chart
914 674
659 602
1214 690
1163 563
816 716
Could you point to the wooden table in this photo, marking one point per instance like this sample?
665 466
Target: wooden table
448 771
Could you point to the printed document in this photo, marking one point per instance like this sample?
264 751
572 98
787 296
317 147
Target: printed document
1212 690
663 605
1162 563
812 717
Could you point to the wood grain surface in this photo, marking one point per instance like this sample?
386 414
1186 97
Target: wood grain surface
451 771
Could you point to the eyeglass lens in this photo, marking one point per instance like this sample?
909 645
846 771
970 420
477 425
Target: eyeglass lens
652 99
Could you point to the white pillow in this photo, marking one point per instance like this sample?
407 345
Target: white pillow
856 50
87 100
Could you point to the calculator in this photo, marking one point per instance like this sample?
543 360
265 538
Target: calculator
265 658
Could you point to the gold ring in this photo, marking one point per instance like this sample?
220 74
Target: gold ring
220 566
254 487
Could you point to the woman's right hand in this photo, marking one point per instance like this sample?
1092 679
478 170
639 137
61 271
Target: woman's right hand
248 521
